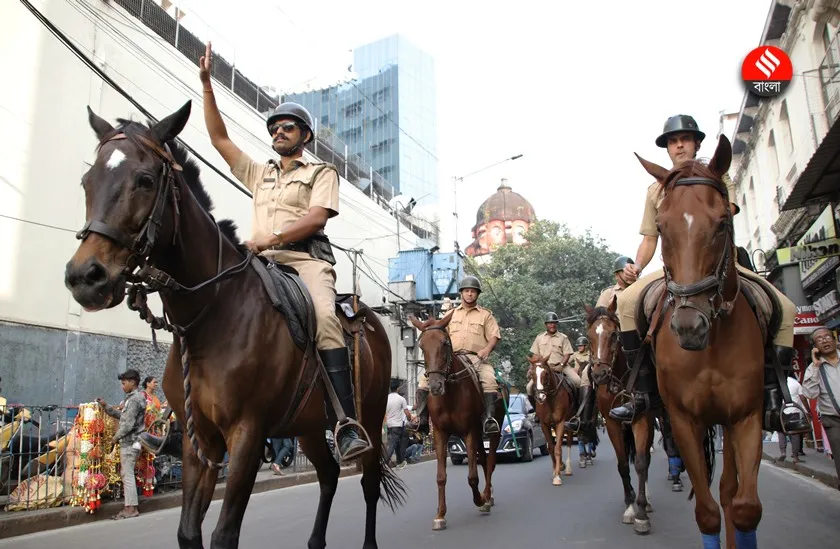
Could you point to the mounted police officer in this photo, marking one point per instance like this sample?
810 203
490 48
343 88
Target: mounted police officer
293 199
621 282
472 329
557 347
584 414
682 138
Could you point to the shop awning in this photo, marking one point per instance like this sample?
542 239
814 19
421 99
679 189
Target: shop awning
819 183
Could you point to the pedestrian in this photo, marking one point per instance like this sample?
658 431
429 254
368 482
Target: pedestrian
282 449
396 415
822 382
132 418
796 395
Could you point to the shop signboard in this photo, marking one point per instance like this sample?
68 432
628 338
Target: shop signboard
805 321
827 304
810 271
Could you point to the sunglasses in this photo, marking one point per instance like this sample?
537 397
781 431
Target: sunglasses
287 127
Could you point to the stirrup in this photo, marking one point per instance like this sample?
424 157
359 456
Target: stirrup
574 425
361 433
495 428
803 417
152 443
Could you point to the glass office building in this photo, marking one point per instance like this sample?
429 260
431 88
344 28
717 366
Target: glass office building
387 116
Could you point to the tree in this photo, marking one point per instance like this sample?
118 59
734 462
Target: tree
555 271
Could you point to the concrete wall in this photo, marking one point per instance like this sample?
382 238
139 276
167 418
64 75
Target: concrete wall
51 350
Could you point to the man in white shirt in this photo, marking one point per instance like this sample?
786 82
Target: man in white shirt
396 415
795 396
822 382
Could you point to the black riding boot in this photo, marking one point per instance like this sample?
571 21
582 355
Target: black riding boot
779 415
491 426
421 399
583 417
646 392
337 363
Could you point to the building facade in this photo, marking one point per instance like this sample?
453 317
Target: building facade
386 116
503 218
51 350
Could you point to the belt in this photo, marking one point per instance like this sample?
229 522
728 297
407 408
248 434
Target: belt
291 247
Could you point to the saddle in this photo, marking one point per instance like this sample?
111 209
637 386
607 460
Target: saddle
758 293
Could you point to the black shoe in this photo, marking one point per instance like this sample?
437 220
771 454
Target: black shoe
646 393
348 440
583 417
781 416
491 426
421 399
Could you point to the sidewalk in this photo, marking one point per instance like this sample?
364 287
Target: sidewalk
815 464
19 523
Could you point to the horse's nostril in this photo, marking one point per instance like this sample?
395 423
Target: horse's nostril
95 274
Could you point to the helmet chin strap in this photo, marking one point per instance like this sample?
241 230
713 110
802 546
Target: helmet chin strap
294 150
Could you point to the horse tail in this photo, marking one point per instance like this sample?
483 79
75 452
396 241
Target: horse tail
393 488
629 442
709 456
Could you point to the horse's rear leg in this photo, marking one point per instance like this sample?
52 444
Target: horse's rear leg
622 454
488 463
746 507
643 437
441 443
689 440
197 484
318 453
728 487
245 443
472 439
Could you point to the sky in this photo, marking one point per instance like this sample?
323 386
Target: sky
575 87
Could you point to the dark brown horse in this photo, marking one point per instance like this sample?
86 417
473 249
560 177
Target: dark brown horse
631 443
456 406
709 353
233 371
554 408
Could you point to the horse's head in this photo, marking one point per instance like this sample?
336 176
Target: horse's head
437 351
130 196
695 223
541 372
602 328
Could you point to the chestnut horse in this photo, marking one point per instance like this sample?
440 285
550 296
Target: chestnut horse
630 442
456 406
233 369
710 358
554 409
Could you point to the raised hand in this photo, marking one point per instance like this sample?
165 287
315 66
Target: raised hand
205 65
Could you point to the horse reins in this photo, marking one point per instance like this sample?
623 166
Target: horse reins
714 281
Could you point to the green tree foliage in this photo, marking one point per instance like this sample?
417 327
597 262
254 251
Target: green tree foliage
556 271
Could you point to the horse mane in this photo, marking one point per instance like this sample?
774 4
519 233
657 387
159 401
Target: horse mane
599 312
191 173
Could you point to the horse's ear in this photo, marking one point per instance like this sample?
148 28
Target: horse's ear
587 308
100 126
169 128
417 324
613 304
720 162
444 322
658 172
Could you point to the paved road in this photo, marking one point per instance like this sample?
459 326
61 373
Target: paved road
585 512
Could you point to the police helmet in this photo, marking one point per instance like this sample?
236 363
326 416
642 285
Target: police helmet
293 111
679 123
621 262
551 317
582 341
470 282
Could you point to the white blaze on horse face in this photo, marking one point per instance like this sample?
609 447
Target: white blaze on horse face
599 330
689 219
539 378
115 160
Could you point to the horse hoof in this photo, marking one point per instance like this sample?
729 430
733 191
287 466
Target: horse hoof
641 527
485 508
558 481
439 524
492 502
629 516
649 508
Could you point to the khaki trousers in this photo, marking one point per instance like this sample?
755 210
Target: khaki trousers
486 375
319 277
630 296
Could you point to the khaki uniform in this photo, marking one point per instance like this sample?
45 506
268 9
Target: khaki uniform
281 197
607 295
628 298
555 346
471 330
581 365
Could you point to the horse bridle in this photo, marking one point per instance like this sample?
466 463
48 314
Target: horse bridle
606 372
714 281
554 379
449 356
150 278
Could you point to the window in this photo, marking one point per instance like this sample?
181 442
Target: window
773 158
787 134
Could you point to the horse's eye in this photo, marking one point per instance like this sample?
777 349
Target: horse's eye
145 180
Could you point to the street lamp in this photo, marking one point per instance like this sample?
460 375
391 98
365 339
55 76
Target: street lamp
456 180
